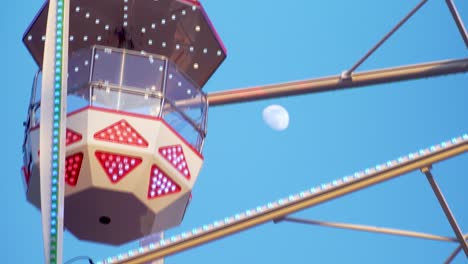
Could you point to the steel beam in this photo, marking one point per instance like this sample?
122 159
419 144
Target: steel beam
387 36
458 21
446 208
294 203
332 83
372 229
455 252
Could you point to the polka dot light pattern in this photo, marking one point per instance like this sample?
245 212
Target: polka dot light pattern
175 155
160 184
121 132
72 137
72 168
117 166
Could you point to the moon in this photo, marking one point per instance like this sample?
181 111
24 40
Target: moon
276 117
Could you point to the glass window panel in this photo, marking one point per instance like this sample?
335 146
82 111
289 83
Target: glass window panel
186 96
183 128
194 108
128 101
79 67
107 66
178 86
36 115
37 97
144 72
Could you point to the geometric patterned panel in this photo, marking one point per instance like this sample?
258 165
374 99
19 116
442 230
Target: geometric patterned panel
72 168
117 166
175 155
121 132
160 184
72 137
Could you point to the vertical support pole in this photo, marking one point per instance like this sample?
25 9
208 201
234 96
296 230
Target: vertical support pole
445 207
52 129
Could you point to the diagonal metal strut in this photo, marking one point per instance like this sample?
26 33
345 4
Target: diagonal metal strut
455 252
446 208
458 20
347 74
372 229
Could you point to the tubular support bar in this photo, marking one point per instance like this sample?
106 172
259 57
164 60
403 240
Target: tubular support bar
303 200
458 21
326 84
446 208
372 229
387 36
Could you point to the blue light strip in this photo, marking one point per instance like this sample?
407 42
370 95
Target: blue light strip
57 116
285 201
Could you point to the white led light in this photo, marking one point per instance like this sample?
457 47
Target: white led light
97 21
197 28
160 68
218 53
163 21
173 17
125 16
77 9
143 30
43 38
195 66
170 76
125 23
106 27
125 8
191 48
85 38
153 26
87 15
99 38
194 8
179 84
86 62
77 69
205 50
189 91
29 37
164 44
177 46
150 42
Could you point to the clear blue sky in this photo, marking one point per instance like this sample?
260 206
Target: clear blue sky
330 135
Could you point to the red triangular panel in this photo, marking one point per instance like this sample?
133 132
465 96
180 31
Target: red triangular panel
175 155
72 168
161 184
72 137
121 132
115 165
26 174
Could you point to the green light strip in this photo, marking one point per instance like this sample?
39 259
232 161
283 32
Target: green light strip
55 187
